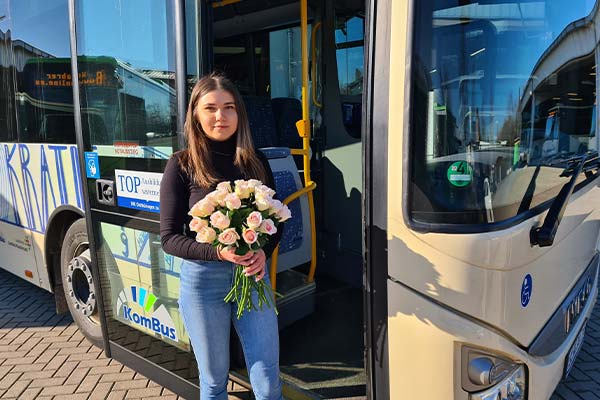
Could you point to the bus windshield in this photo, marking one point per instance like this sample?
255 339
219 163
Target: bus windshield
498 92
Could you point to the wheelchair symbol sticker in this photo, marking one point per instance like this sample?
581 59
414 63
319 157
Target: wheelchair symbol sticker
526 289
92 167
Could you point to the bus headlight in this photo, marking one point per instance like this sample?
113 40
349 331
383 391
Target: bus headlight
486 376
512 387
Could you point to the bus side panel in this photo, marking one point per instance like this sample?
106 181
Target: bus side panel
35 179
425 342
39 242
17 253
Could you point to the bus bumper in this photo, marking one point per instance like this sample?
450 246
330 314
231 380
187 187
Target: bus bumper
427 341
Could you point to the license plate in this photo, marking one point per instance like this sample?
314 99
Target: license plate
572 355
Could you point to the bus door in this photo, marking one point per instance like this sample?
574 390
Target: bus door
319 265
129 117
136 117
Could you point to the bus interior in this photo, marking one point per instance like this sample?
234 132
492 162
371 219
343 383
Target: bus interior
258 46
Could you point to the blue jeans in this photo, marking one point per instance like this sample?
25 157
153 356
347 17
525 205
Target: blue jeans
207 319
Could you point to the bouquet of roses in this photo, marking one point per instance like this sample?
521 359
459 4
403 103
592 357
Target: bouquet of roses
241 216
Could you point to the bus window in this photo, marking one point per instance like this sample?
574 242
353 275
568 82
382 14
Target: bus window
499 86
43 96
350 59
7 80
127 79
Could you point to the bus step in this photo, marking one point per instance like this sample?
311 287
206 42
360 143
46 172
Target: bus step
296 297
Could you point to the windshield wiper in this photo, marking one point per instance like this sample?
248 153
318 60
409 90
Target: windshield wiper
544 235
591 162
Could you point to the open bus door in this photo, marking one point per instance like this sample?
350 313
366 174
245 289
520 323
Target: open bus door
267 52
138 114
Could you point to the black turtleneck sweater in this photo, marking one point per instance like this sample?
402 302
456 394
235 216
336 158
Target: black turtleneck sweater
178 193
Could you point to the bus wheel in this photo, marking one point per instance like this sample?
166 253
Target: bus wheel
78 282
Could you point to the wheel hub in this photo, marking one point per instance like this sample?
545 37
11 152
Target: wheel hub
80 285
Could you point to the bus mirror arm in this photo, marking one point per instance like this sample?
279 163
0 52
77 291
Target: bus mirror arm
544 235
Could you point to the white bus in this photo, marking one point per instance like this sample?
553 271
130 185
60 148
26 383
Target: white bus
433 254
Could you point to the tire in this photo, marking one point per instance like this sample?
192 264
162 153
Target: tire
78 283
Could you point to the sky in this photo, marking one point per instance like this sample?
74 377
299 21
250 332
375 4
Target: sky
133 31
42 23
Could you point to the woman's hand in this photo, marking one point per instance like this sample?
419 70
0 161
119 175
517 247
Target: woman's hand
257 265
254 261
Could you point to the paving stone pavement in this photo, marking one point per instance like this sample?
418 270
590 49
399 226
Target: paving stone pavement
43 356
584 381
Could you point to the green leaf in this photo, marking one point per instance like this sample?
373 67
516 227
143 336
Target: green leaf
242 249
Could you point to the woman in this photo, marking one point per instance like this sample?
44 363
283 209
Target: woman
219 149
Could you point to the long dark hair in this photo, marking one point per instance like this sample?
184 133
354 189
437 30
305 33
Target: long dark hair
196 160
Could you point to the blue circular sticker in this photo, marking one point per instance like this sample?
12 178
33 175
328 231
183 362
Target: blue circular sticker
526 289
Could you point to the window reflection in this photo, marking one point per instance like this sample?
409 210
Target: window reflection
36 101
126 57
500 89
349 53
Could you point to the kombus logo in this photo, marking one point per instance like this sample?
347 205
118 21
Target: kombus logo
135 305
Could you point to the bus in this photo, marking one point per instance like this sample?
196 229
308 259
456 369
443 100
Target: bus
436 251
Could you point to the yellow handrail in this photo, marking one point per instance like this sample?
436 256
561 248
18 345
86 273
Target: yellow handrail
313 39
298 152
275 255
295 195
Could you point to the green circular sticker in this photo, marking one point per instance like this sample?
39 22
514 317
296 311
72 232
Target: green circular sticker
460 174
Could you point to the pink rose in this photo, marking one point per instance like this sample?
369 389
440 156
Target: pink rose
284 214
224 186
219 220
264 190
197 223
253 183
203 208
262 203
206 235
242 189
232 201
254 220
217 197
229 237
276 206
268 227
250 236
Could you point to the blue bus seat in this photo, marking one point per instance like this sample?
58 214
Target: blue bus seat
295 245
262 121
287 110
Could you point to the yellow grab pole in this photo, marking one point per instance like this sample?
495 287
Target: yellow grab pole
273 271
313 233
306 137
303 127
